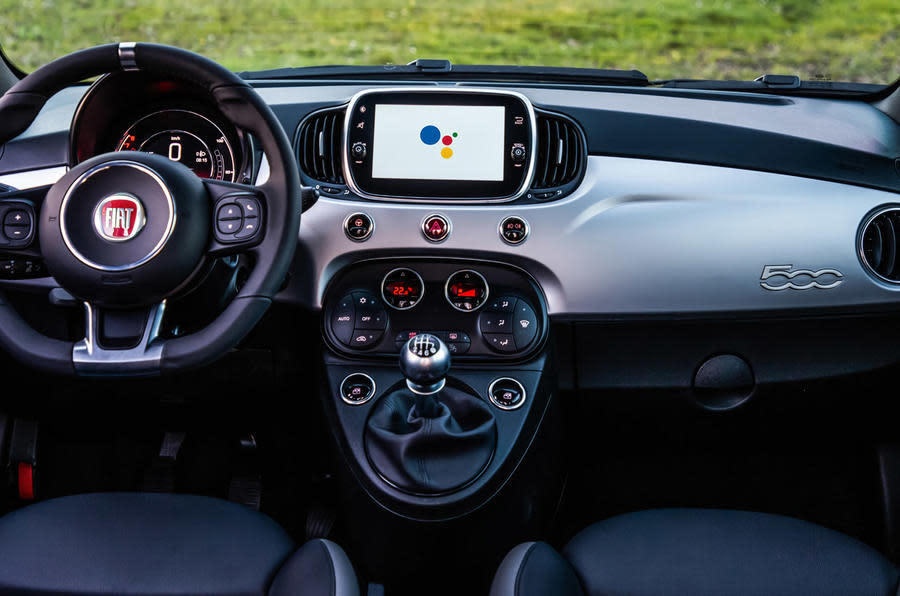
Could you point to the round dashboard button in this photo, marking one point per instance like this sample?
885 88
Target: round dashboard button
513 230
436 228
359 227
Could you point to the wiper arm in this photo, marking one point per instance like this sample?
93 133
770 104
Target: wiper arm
443 69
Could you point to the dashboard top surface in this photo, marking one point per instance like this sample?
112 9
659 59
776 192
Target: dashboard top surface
687 198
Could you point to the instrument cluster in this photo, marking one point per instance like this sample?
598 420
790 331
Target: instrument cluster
135 111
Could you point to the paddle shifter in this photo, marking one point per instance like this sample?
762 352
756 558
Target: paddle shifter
425 362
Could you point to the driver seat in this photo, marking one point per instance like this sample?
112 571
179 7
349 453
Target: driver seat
153 544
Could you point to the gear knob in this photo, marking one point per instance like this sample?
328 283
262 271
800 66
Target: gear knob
425 362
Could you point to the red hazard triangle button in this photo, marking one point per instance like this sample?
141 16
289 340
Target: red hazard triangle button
436 228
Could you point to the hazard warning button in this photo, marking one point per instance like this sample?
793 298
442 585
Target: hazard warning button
436 228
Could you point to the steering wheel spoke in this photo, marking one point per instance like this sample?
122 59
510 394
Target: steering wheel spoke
238 217
120 342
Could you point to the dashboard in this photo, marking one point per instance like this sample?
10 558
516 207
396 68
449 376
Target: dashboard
599 209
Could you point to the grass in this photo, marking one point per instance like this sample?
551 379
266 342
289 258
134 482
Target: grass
850 40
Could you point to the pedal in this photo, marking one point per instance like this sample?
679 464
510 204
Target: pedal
246 481
161 476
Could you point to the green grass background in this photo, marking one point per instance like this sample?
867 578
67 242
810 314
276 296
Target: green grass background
851 40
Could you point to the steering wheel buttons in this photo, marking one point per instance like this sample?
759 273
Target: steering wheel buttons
228 219
15 233
248 229
249 206
229 227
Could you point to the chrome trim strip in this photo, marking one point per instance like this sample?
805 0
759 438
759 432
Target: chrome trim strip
126 55
170 225
431 389
345 147
34 178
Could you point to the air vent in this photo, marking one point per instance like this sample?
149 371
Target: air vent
561 154
319 141
879 244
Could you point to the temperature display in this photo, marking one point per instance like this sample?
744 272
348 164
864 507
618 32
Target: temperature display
466 290
402 288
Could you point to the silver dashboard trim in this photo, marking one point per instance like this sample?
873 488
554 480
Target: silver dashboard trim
34 178
638 237
345 145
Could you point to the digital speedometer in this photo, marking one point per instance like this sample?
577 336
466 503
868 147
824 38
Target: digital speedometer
186 137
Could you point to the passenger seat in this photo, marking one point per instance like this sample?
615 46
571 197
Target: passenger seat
699 552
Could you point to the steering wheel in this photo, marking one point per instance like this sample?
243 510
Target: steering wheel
125 231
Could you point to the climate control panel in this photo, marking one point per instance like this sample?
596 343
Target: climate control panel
479 310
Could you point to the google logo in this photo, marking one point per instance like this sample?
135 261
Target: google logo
430 135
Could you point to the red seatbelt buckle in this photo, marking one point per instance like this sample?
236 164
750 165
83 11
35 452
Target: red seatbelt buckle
26 481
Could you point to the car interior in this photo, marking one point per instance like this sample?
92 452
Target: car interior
445 329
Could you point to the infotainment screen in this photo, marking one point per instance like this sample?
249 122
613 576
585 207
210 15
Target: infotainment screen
443 144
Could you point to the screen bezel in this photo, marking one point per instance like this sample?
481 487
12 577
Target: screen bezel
516 177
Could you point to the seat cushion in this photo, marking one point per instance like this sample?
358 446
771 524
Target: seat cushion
702 552
139 544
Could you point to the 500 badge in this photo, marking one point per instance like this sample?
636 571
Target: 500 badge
784 277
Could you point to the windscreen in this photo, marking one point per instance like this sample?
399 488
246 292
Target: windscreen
838 40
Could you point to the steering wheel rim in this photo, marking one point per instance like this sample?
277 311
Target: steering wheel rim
273 253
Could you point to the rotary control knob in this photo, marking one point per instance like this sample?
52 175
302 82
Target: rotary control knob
425 362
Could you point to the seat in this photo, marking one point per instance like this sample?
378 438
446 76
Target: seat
161 544
694 551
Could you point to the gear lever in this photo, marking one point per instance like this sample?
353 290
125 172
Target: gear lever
425 362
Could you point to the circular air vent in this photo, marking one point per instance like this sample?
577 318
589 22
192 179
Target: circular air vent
879 244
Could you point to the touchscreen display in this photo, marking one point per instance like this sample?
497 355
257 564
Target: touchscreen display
438 142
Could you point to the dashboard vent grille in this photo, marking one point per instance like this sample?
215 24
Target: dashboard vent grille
561 153
319 146
880 244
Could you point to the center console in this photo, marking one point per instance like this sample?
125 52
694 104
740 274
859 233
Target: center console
439 376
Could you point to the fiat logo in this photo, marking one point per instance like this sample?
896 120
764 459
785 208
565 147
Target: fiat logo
119 217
